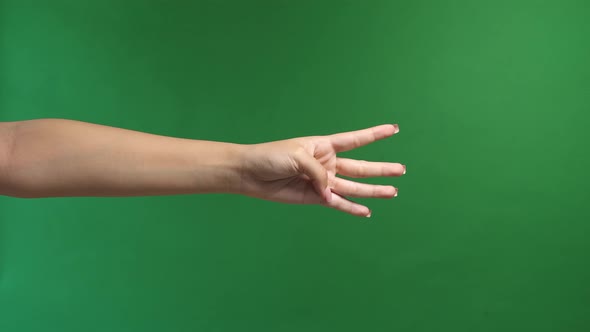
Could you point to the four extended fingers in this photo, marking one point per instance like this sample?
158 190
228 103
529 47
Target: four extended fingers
361 169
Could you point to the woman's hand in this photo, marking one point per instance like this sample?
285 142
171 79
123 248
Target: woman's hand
303 170
59 158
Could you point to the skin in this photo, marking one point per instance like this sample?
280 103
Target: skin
61 158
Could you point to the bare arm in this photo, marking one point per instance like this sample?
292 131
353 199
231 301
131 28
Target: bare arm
54 157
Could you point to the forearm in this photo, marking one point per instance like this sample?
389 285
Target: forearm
53 157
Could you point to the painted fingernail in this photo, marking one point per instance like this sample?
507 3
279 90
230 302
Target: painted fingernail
395 128
404 169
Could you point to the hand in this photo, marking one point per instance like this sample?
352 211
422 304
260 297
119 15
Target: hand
303 170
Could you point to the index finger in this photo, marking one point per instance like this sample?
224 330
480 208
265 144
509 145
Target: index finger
354 139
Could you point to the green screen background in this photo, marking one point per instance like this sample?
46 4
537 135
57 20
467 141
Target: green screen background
490 231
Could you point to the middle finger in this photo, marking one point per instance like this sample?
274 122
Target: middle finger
362 190
364 169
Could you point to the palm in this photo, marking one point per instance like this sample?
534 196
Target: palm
279 177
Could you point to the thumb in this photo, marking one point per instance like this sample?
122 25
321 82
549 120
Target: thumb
311 167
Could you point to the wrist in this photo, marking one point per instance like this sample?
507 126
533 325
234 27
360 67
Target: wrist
235 155
226 169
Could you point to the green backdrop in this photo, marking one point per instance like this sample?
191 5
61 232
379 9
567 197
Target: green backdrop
489 232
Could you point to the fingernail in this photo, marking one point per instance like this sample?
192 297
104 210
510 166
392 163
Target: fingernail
395 128
369 215
404 169
396 190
